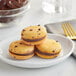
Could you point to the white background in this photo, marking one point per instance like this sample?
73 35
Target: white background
36 16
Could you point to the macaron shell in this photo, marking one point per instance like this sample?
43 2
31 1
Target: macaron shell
50 46
21 57
46 57
33 32
49 49
20 48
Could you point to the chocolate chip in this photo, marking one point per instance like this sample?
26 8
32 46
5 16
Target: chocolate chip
19 1
11 4
22 34
39 29
24 30
56 41
38 25
31 29
2 3
20 43
53 51
23 0
16 46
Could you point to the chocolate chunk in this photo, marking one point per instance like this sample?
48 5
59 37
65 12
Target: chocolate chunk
10 4
5 7
13 4
2 3
19 1
22 34
56 41
38 25
16 46
24 30
22 0
39 29
31 29
21 43
53 51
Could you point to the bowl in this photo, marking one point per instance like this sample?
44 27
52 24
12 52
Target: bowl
15 16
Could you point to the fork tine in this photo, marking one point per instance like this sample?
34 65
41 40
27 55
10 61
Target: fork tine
66 32
69 31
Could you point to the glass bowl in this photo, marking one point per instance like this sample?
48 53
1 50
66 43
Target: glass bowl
13 16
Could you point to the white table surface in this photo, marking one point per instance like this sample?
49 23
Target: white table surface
36 16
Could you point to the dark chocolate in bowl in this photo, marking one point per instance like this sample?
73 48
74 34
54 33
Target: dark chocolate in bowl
10 16
6 20
11 11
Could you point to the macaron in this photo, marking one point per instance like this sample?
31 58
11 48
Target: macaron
34 35
49 49
19 50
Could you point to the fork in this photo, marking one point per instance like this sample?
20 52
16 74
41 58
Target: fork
69 31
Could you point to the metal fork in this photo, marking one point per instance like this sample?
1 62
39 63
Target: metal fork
69 31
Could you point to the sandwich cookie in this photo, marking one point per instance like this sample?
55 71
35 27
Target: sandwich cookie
49 49
19 50
34 35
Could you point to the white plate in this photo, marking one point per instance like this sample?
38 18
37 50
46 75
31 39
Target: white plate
36 62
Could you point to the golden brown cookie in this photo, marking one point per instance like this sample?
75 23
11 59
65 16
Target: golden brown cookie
19 50
49 49
34 35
